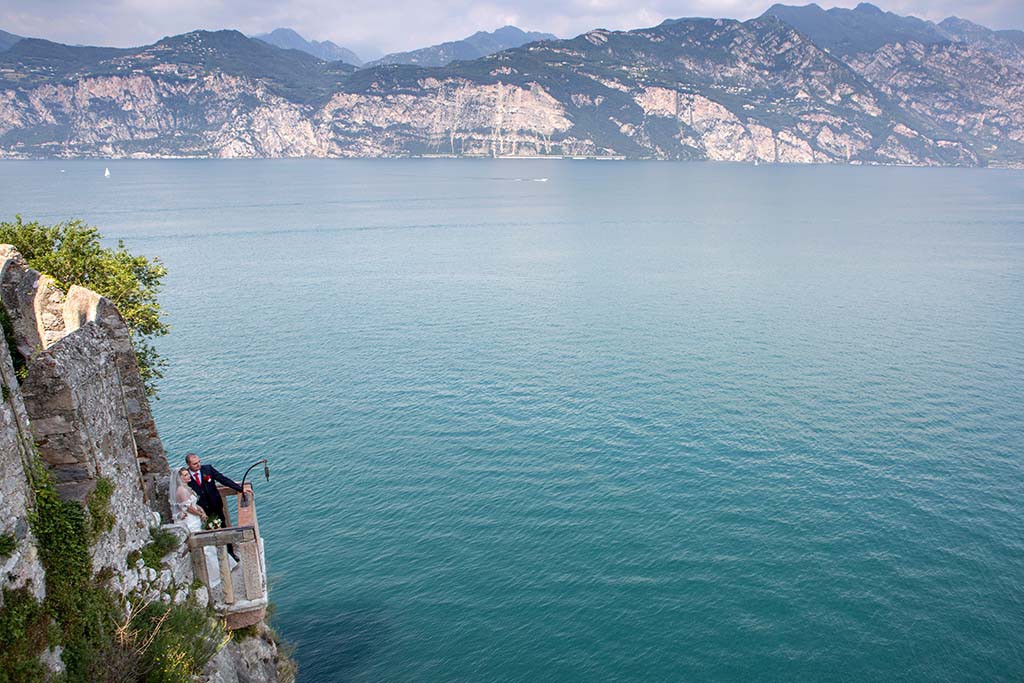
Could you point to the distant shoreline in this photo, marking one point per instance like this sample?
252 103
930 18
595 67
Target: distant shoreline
992 165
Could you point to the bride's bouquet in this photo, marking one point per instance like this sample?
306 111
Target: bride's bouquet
213 523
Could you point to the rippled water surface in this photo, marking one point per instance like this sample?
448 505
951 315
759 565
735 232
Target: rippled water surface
641 421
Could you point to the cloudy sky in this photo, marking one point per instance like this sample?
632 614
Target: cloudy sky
372 27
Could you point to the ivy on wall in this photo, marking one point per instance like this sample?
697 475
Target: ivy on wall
102 640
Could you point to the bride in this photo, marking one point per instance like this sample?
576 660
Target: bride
184 503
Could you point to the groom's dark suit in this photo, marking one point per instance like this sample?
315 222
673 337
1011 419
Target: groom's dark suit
206 490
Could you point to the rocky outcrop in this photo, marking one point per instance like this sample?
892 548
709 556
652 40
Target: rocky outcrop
451 116
76 406
252 660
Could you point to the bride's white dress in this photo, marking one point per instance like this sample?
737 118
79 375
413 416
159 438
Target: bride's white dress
194 523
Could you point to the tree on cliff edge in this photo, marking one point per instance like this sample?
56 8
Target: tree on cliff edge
71 254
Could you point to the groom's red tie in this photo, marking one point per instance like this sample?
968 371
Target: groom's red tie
198 480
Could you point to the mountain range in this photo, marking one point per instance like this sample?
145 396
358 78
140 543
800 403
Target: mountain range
797 84
480 44
288 39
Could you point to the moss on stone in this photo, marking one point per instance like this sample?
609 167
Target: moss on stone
85 611
162 542
98 503
24 630
8 543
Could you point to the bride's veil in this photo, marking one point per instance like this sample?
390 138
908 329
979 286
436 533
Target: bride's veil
173 494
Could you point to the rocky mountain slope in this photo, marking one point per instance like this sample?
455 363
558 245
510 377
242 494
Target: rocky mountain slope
882 89
966 80
480 44
288 39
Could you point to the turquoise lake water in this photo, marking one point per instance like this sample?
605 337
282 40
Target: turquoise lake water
638 422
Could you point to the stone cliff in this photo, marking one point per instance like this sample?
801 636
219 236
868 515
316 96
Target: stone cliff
75 413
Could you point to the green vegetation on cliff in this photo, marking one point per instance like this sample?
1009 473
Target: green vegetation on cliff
24 634
153 552
105 637
103 633
7 545
101 520
71 253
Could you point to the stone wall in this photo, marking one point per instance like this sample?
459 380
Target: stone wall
22 566
83 306
82 403
77 410
42 318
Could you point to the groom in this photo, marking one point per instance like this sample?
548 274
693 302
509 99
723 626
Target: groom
202 479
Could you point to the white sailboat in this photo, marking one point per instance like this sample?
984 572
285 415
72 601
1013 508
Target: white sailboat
106 173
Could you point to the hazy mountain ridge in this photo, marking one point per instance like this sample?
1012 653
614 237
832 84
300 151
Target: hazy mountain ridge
1006 42
863 29
7 40
288 39
480 44
759 90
